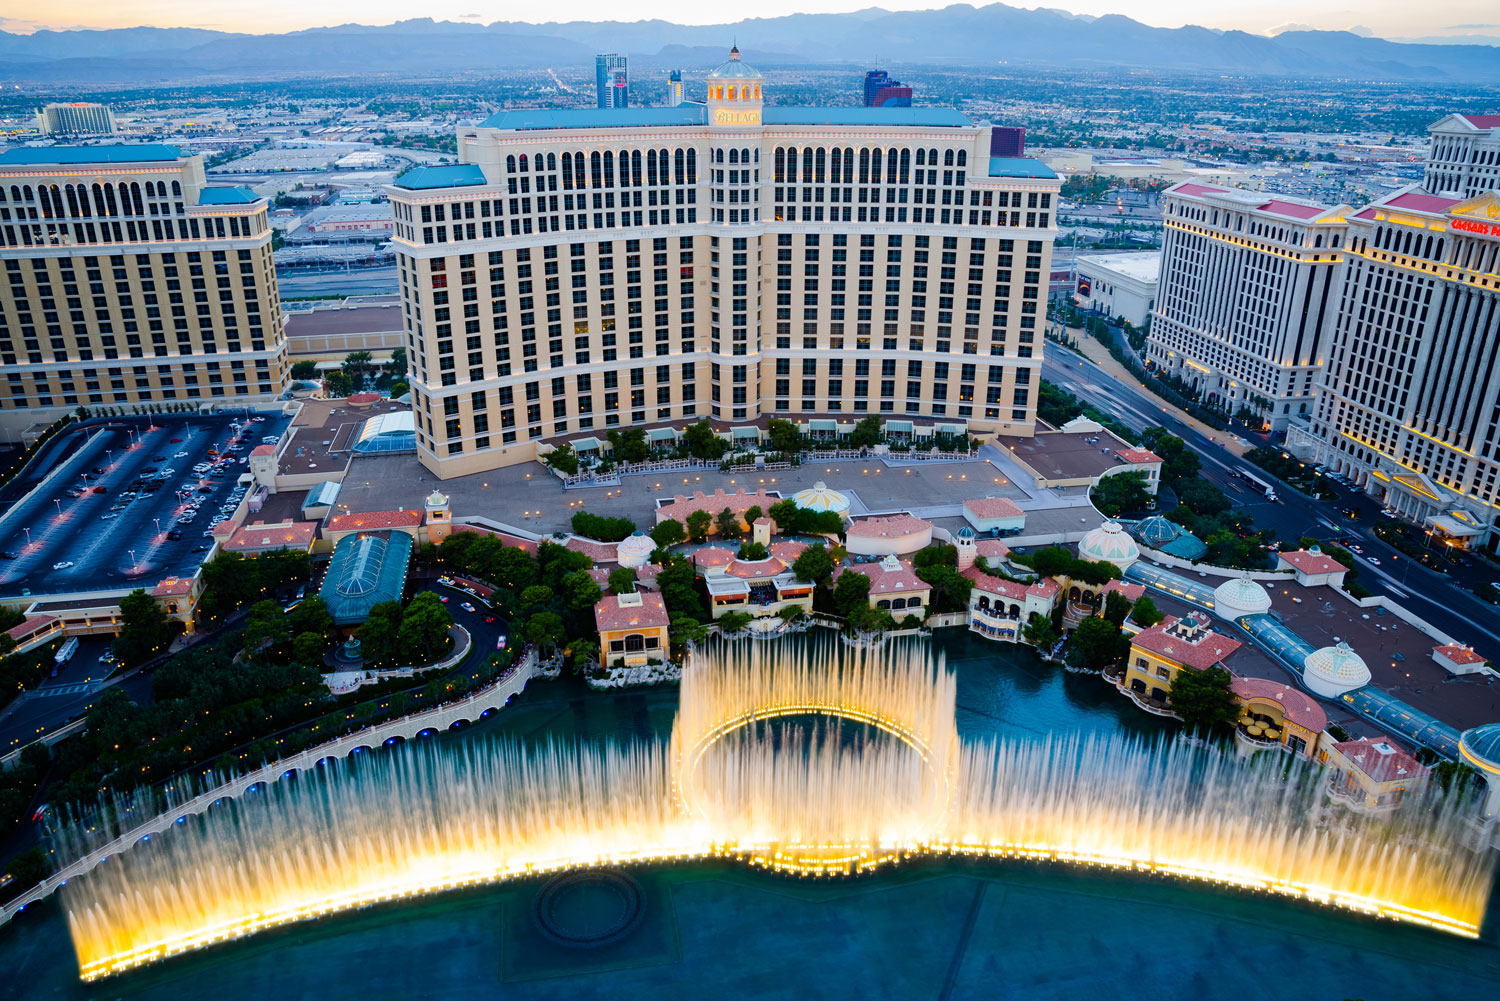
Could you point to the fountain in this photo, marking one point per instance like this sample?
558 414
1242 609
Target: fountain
795 799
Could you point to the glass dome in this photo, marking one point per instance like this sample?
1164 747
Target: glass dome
734 69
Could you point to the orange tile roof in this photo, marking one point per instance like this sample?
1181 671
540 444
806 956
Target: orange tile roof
1390 765
1137 456
996 585
890 527
994 507
1295 705
31 625
1131 591
739 502
711 556
884 580
263 450
747 570
1207 649
599 552
787 550
1459 654
1309 562
173 585
373 521
992 549
285 535
651 613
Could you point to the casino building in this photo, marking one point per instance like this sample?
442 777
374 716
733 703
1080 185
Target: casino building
583 270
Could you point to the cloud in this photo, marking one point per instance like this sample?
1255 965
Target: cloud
1467 27
470 17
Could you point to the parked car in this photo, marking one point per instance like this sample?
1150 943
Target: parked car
63 565
467 607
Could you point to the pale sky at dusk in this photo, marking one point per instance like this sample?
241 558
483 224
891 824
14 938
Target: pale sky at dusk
1386 18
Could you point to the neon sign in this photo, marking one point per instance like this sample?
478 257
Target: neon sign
1475 226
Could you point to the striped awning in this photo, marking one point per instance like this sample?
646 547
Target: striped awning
951 429
661 434
739 433
584 444
822 425
901 426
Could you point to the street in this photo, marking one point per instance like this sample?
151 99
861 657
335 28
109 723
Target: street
1426 593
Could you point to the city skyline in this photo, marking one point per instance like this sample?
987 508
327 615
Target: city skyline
1456 19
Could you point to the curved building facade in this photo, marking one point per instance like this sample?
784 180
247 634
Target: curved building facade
582 270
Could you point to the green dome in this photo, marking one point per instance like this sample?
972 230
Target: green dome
735 70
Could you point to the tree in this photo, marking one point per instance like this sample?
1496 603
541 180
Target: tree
783 436
682 631
1053 561
424 628
865 619
594 526
791 613
813 565
668 533
584 654
1145 613
397 364
144 630
339 384
1115 495
850 591
733 622
311 616
950 589
1095 573
536 595
304 370
938 555
629 445
701 441
266 625
622 580
728 524
866 433
753 513
676 581
1203 698
378 636
307 648
581 593
1096 644
1116 607
752 552
697 525
356 364
546 630
563 459
1038 632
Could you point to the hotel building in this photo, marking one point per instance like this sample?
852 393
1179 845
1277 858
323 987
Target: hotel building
1410 405
583 270
1464 158
127 281
1246 286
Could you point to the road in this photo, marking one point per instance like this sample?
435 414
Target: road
1426 593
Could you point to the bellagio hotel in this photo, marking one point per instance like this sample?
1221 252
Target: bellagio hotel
127 281
585 270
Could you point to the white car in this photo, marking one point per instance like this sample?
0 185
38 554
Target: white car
62 566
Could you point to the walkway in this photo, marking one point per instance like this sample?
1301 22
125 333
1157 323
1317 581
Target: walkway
450 715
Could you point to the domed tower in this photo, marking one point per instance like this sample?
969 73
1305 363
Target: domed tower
439 518
1479 747
967 551
734 94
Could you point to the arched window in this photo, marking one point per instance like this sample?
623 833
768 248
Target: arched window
791 165
551 161
635 642
692 166
848 165
135 197
921 158
734 156
905 166
651 167
510 164
73 203
609 168
807 164
567 171
947 158
596 169
176 189
819 165
99 200
883 603
778 168
963 158
679 159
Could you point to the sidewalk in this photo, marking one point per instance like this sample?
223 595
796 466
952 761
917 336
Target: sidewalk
1099 355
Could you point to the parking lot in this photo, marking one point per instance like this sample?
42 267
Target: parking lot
127 500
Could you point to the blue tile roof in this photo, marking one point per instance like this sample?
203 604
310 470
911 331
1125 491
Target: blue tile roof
597 118
1024 166
930 117
458 175
30 156
227 196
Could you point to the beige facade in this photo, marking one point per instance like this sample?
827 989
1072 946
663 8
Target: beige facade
128 281
586 270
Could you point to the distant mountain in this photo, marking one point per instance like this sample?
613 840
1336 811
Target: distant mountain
956 35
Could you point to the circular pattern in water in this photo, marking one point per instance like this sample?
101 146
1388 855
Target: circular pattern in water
589 909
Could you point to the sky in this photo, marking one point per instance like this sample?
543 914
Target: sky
1383 18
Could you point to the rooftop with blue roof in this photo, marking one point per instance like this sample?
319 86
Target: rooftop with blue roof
227 196
1022 166
116 153
456 175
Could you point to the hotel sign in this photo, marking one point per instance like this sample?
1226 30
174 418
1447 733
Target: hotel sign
1463 224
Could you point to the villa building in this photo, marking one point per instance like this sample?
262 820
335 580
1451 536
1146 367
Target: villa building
757 587
894 586
632 629
1247 282
999 608
1371 775
1173 645
580 270
1275 714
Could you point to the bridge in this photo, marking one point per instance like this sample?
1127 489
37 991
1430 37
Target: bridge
449 715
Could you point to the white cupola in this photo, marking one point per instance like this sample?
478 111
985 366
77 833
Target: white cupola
734 94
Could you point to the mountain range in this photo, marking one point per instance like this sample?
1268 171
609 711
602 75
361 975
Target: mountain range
959 35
